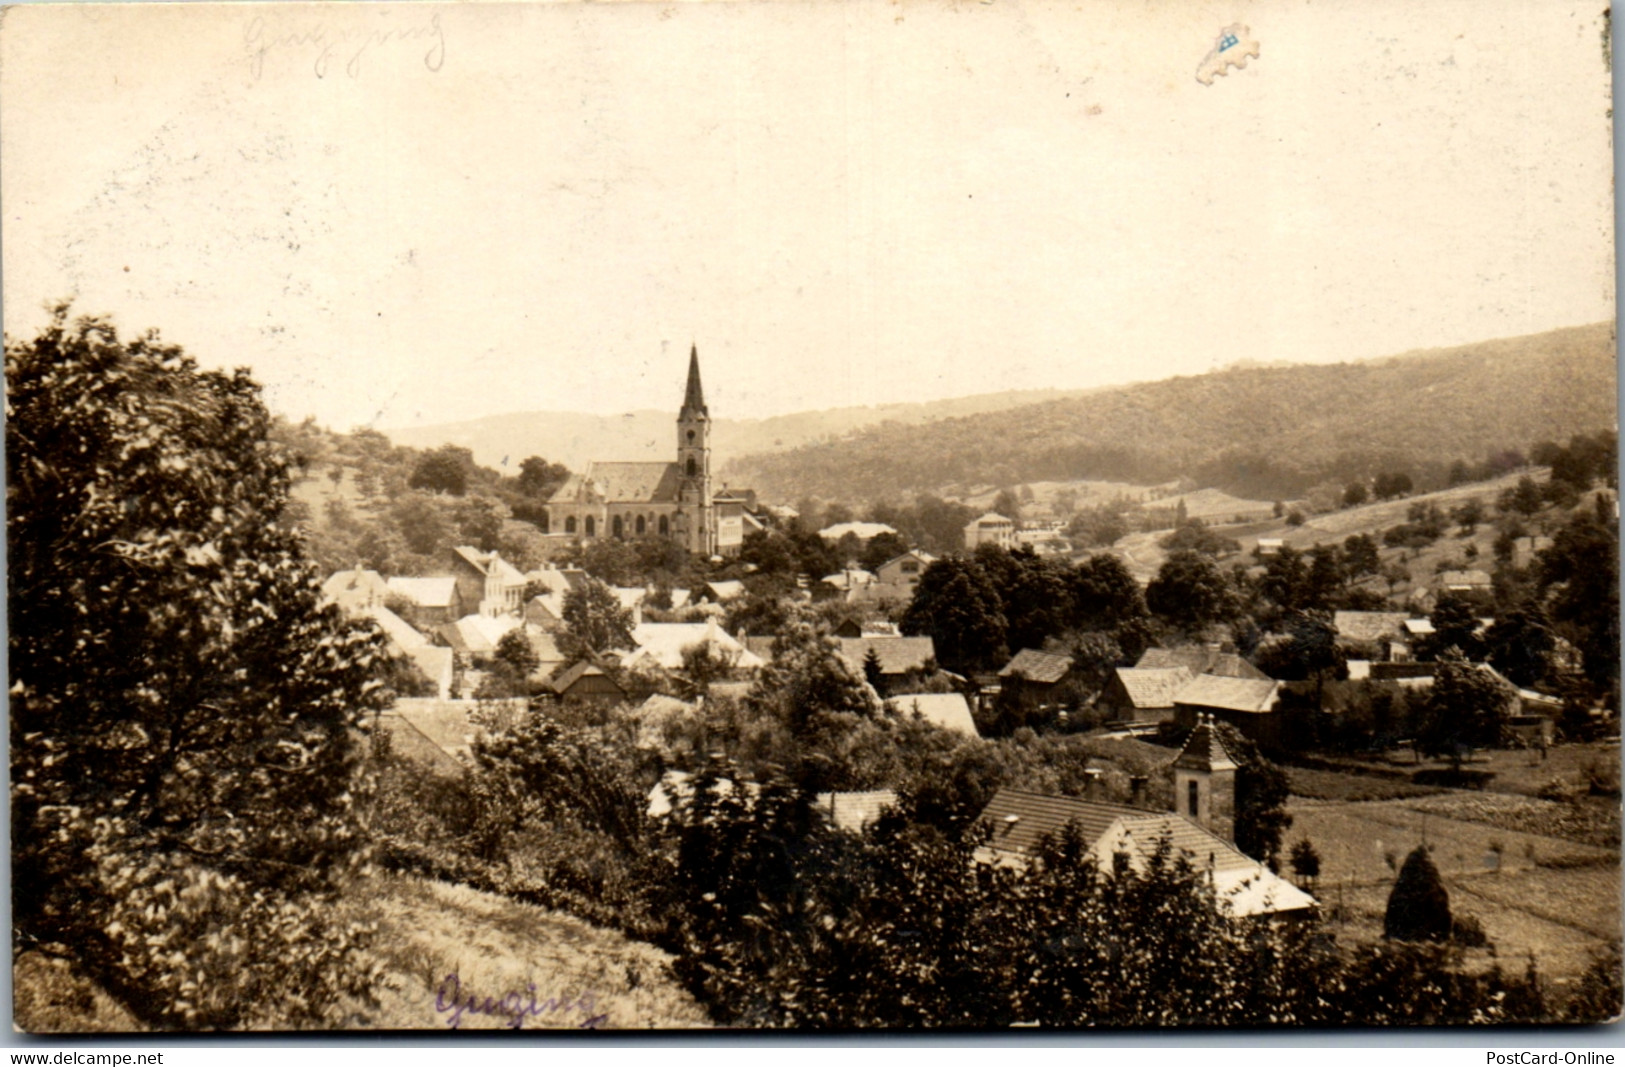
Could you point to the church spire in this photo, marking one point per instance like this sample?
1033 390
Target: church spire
694 398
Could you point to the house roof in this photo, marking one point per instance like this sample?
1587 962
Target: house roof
399 632
854 811
410 742
352 588
1035 666
1369 625
478 634
992 518
1474 579
950 711
1020 819
761 646
621 483
676 788
1419 626
434 661
1230 694
664 642
1199 659
582 669
898 655
720 591
425 592
918 555
863 530
445 722
1153 687
853 578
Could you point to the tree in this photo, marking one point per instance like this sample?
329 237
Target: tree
1419 904
1455 625
1520 644
183 707
1305 862
872 672
1360 555
515 652
594 620
445 470
538 478
1262 790
1523 498
1354 495
1465 709
882 548
958 607
479 522
1006 504
1579 574
1191 592
1390 484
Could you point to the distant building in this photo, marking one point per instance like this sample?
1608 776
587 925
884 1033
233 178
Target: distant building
485 580
672 501
587 682
905 570
1036 676
429 602
853 811
1200 659
356 591
1143 694
950 711
898 656
1248 704
990 529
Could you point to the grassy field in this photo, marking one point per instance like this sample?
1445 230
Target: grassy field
577 975
495 946
1561 917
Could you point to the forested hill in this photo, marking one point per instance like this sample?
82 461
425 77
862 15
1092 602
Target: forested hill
1265 432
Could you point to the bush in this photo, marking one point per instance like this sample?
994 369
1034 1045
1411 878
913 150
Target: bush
1419 905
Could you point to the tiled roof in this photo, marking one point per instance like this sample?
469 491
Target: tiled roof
396 629
445 722
1474 579
854 811
622 483
721 591
1153 687
862 530
1035 666
1369 625
1200 660
1231 694
992 518
583 669
664 642
350 589
409 742
1019 819
425 592
947 710
1204 750
478 634
898 655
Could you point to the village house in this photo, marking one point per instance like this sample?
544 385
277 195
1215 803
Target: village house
586 683
1204 790
904 571
1373 634
485 580
853 812
673 501
900 657
662 644
990 529
1200 659
1035 677
1142 694
428 602
1248 704
357 590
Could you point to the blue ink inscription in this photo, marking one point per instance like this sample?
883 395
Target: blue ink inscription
514 1008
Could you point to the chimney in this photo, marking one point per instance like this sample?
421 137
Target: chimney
1136 789
1092 777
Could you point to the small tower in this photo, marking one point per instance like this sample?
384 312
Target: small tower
694 464
1205 781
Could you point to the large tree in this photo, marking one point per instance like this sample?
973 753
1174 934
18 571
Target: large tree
1191 592
183 707
594 620
958 607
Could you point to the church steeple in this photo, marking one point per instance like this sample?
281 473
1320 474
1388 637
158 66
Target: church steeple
694 397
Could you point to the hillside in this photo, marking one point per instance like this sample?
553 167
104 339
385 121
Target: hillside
573 438
1263 432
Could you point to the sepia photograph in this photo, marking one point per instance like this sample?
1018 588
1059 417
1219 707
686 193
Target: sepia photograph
882 516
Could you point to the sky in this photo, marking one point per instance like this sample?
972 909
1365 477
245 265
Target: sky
411 214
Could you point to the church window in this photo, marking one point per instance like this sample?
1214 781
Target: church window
1195 792
665 527
570 525
691 437
619 530
641 526
692 467
592 526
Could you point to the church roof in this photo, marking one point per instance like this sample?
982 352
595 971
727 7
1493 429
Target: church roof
693 396
622 483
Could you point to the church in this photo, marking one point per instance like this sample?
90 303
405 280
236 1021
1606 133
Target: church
673 501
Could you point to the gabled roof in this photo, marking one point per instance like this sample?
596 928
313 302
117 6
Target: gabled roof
1370 625
663 643
409 742
1231 694
399 632
478 634
919 555
862 530
445 722
898 655
1474 579
353 588
1199 659
1034 666
583 669
622 483
950 711
1243 885
425 592
854 811
992 518
490 564
1019 818
1153 687
720 591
